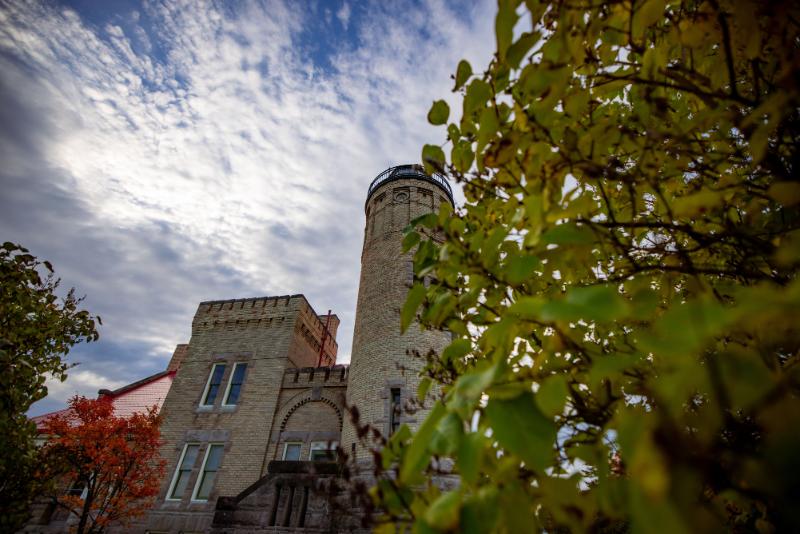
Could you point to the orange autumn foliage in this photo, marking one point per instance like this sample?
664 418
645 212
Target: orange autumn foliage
114 459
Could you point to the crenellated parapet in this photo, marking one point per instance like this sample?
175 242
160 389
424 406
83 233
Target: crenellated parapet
331 376
270 312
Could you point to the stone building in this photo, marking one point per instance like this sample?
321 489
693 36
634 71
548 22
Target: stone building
258 405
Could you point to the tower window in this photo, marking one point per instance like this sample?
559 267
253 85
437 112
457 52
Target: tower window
208 472
235 384
212 386
394 410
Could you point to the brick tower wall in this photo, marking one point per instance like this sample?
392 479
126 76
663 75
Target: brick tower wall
380 358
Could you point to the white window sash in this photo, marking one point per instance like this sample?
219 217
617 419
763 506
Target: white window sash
208 385
230 383
321 446
286 447
177 472
201 473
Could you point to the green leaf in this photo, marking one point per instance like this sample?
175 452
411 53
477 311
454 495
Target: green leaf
443 513
600 303
433 158
402 435
521 428
527 307
428 220
648 14
417 454
609 367
517 51
423 388
697 204
487 127
463 72
552 395
504 25
518 269
746 378
478 92
410 240
462 156
470 450
697 321
439 113
479 512
457 349
448 434
453 134
568 234
787 193
409 311
471 385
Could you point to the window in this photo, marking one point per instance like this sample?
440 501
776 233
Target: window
78 489
208 472
235 384
394 410
291 451
212 387
322 451
183 471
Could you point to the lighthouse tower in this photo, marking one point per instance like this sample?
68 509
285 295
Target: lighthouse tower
384 374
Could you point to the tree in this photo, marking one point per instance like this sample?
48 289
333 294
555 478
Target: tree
622 279
36 332
112 463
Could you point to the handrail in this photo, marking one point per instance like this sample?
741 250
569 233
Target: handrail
410 171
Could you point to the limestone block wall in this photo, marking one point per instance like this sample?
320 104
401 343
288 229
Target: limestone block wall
381 357
270 334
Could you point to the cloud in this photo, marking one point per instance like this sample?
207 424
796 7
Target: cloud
184 152
79 381
343 14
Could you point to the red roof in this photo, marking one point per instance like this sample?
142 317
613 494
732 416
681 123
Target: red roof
135 397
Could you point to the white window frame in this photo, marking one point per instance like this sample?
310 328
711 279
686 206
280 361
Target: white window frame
84 490
202 469
326 446
286 448
230 382
178 470
208 385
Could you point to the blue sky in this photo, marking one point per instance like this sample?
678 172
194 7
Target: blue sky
164 153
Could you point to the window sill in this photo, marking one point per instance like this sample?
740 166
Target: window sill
171 504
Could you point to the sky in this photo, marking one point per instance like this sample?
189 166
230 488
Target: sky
160 154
